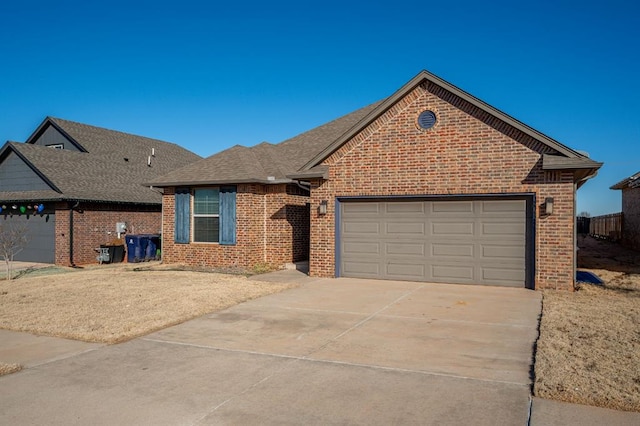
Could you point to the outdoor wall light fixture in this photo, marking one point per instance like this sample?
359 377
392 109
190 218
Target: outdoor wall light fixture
547 207
322 208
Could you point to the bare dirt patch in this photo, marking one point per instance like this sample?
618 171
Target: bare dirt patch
589 346
111 304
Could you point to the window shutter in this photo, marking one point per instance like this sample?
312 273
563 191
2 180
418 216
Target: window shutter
227 215
183 216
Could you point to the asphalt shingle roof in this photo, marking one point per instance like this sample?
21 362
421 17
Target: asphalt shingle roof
113 170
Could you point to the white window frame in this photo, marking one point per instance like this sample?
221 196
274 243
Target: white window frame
194 215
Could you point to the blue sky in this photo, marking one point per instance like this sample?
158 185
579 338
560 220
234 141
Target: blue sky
209 76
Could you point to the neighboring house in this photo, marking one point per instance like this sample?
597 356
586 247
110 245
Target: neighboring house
85 179
430 184
630 188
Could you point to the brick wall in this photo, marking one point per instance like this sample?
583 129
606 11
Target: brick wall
95 224
466 152
62 235
631 218
287 224
270 229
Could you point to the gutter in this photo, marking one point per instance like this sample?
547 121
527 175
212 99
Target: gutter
219 182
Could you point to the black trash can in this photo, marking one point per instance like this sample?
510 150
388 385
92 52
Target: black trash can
136 248
116 253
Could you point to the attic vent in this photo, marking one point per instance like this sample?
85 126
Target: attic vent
427 119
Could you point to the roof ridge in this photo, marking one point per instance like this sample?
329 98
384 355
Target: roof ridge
268 157
104 129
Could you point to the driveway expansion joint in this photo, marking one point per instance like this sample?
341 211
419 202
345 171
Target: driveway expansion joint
332 362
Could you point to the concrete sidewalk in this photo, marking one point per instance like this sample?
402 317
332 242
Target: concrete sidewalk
546 412
329 352
30 350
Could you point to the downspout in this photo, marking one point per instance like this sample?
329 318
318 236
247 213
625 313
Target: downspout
575 233
75 206
161 228
303 185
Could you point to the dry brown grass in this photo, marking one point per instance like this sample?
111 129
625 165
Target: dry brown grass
589 346
114 303
9 368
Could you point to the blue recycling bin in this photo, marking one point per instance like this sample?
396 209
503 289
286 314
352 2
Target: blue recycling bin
153 244
136 248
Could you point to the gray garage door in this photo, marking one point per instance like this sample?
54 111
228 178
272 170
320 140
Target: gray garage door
467 242
41 236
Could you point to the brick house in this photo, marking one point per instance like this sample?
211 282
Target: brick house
429 184
70 183
630 188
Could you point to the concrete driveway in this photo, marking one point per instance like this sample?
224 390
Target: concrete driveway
341 351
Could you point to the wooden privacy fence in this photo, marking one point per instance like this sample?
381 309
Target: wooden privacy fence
608 226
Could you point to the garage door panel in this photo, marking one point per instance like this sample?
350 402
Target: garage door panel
509 252
406 271
504 229
490 275
358 209
452 228
444 250
355 248
452 273
410 228
362 228
362 268
503 206
404 208
452 207
406 248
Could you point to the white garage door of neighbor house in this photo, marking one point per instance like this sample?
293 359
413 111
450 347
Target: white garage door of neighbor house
471 241
40 235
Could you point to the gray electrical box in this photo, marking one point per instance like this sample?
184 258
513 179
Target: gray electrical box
121 227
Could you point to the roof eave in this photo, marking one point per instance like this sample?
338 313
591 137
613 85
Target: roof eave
320 172
630 182
583 168
626 184
31 199
557 162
